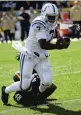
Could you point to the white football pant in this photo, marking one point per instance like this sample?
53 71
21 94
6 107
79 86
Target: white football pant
42 66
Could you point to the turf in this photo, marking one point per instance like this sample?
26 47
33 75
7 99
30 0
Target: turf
66 74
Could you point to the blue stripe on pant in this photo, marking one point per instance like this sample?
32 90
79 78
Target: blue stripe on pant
22 57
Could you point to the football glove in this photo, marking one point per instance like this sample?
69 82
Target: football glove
63 42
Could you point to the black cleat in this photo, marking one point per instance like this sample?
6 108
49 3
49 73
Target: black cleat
4 96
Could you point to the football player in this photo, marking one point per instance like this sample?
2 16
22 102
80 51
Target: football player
29 97
42 31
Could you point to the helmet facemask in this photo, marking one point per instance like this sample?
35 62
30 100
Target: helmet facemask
51 18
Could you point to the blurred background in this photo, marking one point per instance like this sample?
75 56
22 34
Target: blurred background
11 22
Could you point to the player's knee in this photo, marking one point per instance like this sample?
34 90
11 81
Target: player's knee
47 82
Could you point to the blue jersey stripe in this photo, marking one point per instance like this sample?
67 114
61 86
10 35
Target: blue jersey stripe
39 22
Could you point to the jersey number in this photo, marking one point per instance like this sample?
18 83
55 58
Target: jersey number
18 97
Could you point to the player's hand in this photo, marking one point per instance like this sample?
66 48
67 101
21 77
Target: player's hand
63 43
20 18
67 42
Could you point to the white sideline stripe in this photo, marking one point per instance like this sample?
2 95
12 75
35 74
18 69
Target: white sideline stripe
16 109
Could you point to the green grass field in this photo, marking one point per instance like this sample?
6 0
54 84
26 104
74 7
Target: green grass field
66 74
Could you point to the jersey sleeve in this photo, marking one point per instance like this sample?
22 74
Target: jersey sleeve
40 30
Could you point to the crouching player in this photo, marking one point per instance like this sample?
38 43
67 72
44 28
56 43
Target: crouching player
29 96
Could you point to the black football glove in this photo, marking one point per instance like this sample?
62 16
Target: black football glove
67 41
63 42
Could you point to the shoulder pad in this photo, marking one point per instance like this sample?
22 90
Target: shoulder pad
38 23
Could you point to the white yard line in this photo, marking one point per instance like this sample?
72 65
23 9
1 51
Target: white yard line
66 73
53 75
71 100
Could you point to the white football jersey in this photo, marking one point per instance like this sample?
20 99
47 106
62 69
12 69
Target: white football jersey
39 29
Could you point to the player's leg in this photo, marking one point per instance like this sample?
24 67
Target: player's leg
24 83
49 90
44 72
27 97
46 87
26 72
6 90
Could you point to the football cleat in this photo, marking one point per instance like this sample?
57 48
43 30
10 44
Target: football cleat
4 96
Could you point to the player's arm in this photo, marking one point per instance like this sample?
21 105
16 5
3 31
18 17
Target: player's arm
49 46
20 18
42 38
44 44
